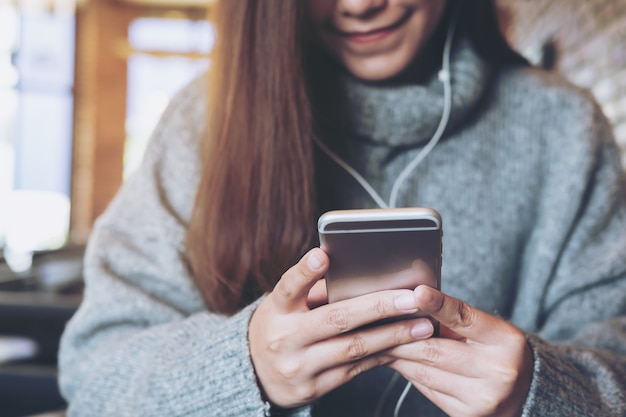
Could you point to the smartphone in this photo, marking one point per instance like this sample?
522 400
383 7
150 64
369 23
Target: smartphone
379 249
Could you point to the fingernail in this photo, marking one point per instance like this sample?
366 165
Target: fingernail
406 303
315 261
422 329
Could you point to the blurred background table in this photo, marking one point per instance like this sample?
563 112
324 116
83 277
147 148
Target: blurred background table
35 305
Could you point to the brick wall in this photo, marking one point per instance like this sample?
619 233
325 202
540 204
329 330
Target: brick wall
583 39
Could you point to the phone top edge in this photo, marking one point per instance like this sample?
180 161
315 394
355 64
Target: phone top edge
379 230
374 215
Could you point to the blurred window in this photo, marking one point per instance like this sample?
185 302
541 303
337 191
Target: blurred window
9 29
36 111
179 49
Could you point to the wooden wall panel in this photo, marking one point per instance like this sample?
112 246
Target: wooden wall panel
102 52
100 109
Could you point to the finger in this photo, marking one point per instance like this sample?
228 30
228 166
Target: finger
436 383
454 394
325 380
359 344
290 293
318 295
343 316
461 318
448 355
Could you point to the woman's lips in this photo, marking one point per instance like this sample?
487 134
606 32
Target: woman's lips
368 37
375 35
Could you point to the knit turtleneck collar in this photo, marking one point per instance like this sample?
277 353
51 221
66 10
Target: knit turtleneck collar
409 114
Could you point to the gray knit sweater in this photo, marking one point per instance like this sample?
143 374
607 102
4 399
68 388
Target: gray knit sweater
531 191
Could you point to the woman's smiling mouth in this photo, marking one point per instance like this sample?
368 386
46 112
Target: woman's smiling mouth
372 35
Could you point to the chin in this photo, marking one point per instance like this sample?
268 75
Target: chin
376 70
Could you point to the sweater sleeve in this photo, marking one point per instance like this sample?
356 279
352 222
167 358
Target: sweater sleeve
142 343
579 342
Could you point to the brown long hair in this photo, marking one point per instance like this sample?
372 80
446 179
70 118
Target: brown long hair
255 208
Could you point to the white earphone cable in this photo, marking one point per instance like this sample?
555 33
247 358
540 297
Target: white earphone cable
446 79
383 398
405 392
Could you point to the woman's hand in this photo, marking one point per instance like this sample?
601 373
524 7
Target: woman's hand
300 353
481 365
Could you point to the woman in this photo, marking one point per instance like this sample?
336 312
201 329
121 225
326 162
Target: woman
188 309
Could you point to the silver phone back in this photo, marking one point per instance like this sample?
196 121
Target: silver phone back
378 249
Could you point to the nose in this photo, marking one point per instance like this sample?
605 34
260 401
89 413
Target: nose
361 8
